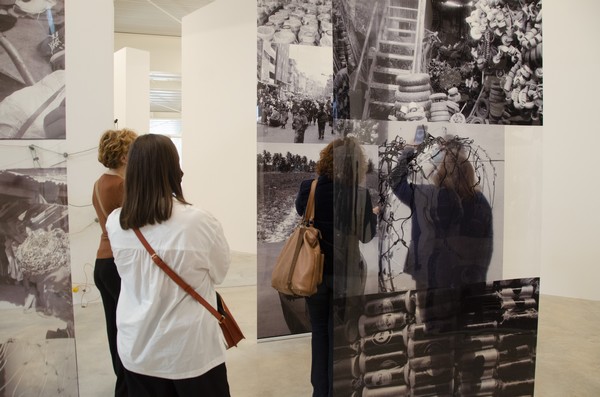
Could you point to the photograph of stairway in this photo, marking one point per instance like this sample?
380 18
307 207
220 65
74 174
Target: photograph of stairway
481 61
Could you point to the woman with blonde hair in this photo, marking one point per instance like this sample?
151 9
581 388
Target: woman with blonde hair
108 195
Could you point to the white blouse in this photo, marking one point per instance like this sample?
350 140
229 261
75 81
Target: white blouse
162 331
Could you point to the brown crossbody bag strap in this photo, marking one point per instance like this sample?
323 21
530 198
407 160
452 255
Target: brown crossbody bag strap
309 213
175 277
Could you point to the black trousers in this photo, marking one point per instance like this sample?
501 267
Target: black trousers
320 311
108 282
211 384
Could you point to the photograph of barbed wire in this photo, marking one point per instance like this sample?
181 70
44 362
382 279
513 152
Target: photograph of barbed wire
462 61
441 195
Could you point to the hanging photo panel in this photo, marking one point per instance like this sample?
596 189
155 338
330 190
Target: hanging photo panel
305 22
32 70
294 94
441 207
37 345
438 61
476 340
281 169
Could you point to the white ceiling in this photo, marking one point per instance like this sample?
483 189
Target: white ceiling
153 17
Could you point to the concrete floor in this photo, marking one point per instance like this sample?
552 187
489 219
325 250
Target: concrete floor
568 355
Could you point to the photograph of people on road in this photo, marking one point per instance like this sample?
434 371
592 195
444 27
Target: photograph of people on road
294 94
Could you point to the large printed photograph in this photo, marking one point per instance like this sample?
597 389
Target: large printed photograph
441 199
32 69
476 340
35 272
281 169
305 22
461 61
37 345
294 94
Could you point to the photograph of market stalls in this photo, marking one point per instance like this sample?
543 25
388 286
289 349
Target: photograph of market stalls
461 61
294 93
35 273
305 22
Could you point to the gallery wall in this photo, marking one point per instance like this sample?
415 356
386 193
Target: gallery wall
165 51
218 113
566 234
538 208
570 248
89 113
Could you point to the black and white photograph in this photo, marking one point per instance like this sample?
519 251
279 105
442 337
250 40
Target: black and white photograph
35 274
38 368
441 190
479 339
32 69
305 22
294 94
281 169
454 61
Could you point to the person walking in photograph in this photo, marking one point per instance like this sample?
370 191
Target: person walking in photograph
299 124
169 344
322 118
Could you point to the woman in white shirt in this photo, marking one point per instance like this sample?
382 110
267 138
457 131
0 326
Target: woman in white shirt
169 344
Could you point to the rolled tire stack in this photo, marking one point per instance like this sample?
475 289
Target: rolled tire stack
415 88
439 108
497 101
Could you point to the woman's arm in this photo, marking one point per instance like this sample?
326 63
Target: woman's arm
398 178
369 229
302 197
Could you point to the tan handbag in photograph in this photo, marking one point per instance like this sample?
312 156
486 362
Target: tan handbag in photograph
299 268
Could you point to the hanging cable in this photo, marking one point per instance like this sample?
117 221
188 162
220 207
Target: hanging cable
165 12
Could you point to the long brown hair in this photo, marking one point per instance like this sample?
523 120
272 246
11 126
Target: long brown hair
343 160
456 172
152 181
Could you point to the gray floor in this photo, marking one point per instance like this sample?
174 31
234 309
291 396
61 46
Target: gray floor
568 355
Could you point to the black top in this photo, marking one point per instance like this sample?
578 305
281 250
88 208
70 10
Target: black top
346 220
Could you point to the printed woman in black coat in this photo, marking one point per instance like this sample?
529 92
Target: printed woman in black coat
344 215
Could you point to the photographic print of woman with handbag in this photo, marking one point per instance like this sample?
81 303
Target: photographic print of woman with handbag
342 208
169 344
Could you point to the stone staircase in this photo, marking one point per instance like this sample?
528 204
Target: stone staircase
397 51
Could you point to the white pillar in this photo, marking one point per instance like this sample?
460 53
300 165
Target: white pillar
132 89
219 115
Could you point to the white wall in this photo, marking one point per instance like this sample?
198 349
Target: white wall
89 58
571 219
165 51
550 222
219 129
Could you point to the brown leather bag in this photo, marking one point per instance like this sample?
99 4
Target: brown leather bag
231 330
299 268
